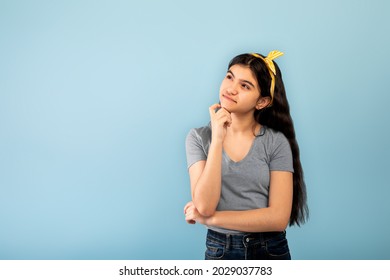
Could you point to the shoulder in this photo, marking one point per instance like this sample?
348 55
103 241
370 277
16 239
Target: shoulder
200 134
279 151
197 144
275 142
273 136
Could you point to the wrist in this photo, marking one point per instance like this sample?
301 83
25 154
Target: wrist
209 221
216 143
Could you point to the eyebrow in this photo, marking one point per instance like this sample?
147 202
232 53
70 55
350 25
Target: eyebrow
245 81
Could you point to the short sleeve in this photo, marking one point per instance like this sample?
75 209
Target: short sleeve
194 148
281 156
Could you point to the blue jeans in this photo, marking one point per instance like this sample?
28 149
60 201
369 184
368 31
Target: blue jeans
247 246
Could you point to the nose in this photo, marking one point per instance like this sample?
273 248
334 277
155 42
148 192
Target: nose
232 90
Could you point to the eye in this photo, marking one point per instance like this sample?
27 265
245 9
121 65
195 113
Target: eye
245 86
229 76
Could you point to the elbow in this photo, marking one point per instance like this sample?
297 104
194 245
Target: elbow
205 210
281 224
278 221
281 227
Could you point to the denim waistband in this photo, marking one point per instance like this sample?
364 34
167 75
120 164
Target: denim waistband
242 239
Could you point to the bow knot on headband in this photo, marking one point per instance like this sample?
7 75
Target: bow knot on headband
268 60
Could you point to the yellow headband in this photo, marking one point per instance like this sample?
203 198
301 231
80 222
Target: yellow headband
271 68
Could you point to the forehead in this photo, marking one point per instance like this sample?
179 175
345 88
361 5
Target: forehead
243 72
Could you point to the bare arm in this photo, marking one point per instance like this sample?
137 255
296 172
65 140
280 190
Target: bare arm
275 217
205 176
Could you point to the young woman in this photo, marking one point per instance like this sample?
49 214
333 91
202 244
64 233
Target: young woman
246 177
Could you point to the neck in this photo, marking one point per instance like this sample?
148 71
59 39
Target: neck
243 124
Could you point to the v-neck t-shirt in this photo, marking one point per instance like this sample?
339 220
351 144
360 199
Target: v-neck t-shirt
245 184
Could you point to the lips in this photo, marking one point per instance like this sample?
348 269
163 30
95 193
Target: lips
229 98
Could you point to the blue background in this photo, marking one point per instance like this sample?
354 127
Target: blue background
96 98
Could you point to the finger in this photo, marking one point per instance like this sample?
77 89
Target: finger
224 118
223 112
226 110
192 222
228 115
189 219
188 205
213 107
229 120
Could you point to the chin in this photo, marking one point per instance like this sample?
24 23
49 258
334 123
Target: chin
226 105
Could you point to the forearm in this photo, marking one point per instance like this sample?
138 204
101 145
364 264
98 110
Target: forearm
256 220
207 190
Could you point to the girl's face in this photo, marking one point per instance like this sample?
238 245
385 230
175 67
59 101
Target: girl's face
239 91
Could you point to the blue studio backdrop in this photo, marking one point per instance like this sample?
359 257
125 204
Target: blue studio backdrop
96 99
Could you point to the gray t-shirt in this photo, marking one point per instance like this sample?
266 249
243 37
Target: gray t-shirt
245 184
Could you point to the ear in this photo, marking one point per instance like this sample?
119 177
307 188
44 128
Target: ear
263 102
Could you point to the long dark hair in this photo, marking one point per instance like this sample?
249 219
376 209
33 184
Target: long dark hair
277 116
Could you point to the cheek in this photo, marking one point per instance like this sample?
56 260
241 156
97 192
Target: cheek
223 84
221 88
